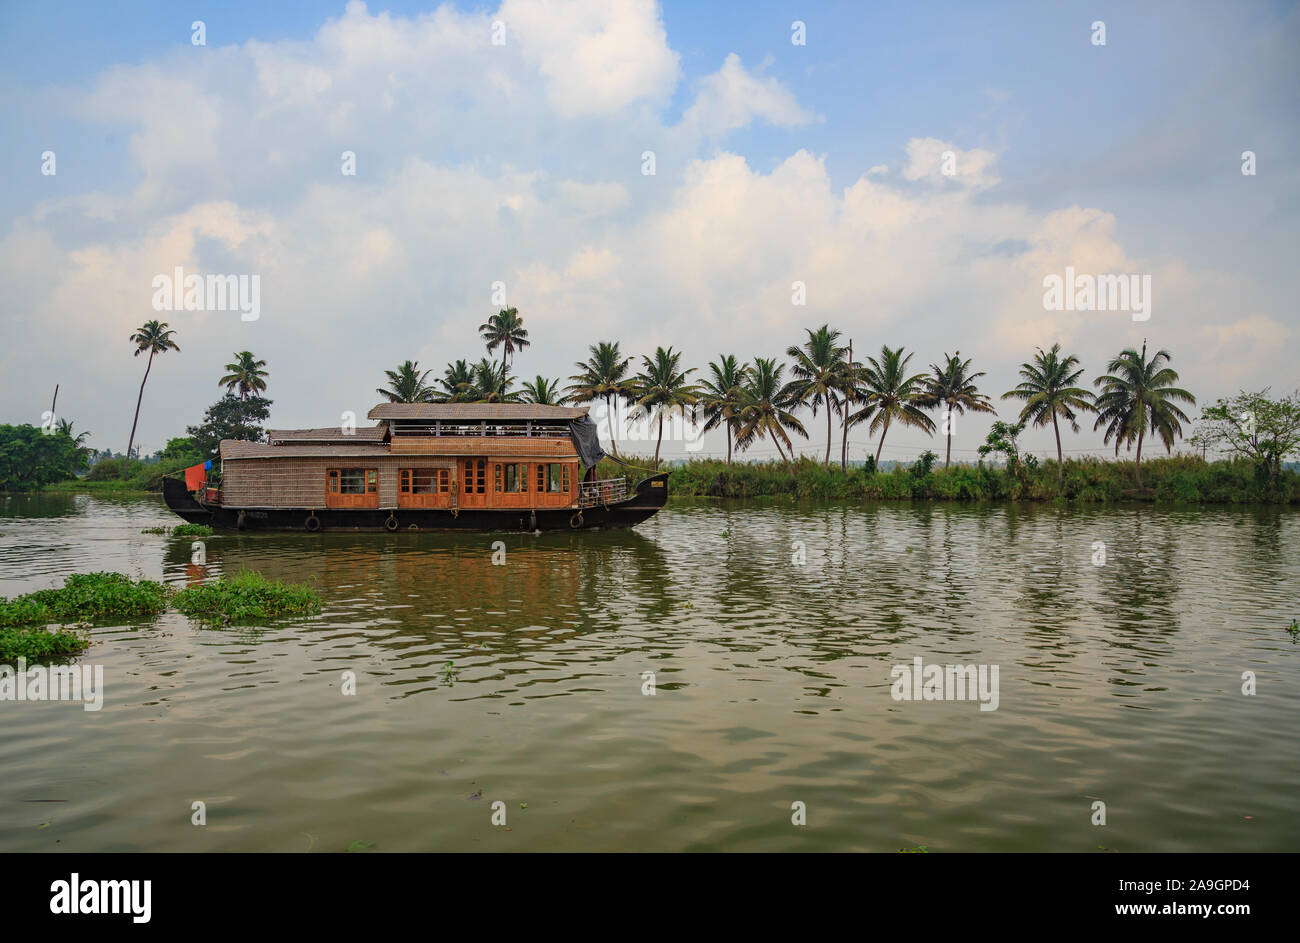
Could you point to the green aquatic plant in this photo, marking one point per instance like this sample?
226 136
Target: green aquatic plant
1294 629
35 643
86 597
191 530
154 530
244 596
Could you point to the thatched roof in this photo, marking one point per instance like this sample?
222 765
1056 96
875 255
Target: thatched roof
329 434
238 448
476 412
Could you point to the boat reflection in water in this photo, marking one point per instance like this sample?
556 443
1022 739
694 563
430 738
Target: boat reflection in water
448 589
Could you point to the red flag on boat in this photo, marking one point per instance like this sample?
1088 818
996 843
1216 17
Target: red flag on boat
195 476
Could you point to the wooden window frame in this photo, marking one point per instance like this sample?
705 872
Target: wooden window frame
335 496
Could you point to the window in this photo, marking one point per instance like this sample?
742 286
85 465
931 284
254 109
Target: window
424 480
353 481
475 476
516 478
557 477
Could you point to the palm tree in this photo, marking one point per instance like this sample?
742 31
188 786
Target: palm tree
1049 391
603 376
506 328
817 375
1136 395
765 411
891 396
952 386
542 391
723 396
457 383
78 442
660 387
407 384
492 382
850 390
65 427
246 375
155 338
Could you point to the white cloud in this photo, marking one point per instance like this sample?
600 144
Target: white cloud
927 159
596 56
520 164
733 97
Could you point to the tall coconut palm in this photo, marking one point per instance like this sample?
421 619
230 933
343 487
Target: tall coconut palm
765 411
661 387
722 396
542 391
407 384
604 377
952 386
1136 395
157 339
1048 390
245 374
457 383
817 375
505 329
850 390
492 382
891 395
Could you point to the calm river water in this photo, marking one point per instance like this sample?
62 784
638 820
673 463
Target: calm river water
1119 683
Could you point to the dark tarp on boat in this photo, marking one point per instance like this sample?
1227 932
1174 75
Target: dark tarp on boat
586 440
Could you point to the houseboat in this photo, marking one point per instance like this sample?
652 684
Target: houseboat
422 466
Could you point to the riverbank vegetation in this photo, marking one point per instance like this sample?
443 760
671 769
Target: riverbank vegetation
1181 478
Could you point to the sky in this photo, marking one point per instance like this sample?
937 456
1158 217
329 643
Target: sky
508 144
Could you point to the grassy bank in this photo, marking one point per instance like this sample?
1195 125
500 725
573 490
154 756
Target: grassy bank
114 476
1092 480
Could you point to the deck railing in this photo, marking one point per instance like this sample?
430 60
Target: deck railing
531 430
605 491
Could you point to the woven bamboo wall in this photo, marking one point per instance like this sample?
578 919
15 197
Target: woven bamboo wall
300 482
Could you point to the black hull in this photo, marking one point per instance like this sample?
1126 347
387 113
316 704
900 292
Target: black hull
650 495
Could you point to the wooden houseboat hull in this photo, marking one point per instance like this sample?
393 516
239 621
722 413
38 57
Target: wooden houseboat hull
648 497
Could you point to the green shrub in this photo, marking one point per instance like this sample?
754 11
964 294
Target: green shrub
112 469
